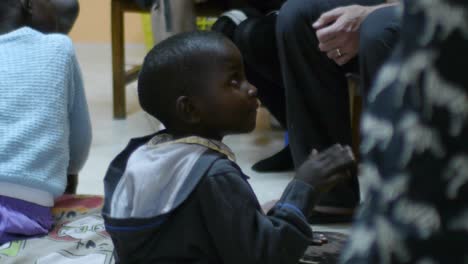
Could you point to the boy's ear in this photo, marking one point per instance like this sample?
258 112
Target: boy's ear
187 110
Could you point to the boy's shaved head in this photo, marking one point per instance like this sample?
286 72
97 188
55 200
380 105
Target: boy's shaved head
177 66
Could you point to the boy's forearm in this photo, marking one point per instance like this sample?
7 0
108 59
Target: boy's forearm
300 195
280 236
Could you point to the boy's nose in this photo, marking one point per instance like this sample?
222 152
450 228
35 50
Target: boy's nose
252 90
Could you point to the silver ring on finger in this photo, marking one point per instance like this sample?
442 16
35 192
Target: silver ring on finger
338 52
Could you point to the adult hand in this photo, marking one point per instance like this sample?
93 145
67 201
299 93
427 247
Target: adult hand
338 32
325 169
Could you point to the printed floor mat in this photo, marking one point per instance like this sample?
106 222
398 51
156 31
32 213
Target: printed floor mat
77 237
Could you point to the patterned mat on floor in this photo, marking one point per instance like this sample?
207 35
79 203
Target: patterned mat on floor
78 237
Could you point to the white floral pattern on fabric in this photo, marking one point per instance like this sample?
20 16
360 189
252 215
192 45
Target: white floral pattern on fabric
378 132
418 138
452 98
423 217
442 19
415 145
457 174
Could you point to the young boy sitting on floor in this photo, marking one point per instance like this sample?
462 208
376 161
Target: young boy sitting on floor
178 196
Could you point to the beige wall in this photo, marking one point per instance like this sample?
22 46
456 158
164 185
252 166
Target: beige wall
93 24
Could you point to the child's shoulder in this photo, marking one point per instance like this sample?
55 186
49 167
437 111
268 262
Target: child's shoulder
225 177
224 166
36 39
48 44
60 42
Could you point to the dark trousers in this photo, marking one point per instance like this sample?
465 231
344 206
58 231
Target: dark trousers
379 34
317 101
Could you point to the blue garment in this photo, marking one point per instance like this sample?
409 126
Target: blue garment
415 145
45 130
161 208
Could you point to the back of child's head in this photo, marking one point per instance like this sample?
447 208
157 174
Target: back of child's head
9 9
67 13
176 66
7 4
47 16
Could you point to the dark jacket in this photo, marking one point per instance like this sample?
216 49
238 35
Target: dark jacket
219 222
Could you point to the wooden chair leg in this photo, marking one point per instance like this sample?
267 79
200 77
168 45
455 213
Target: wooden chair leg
118 59
356 109
357 126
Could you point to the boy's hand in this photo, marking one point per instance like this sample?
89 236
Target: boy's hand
322 170
318 239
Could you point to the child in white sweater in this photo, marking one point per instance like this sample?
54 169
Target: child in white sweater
45 130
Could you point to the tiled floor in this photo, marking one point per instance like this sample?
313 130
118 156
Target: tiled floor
110 136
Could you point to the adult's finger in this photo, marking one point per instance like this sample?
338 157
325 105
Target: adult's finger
327 33
342 60
328 17
333 54
332 44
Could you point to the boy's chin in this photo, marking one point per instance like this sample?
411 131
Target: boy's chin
242 130
248 128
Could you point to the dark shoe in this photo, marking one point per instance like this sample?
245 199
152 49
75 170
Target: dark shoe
228 22
281 161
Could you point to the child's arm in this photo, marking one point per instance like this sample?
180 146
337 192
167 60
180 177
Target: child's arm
80 124
240 230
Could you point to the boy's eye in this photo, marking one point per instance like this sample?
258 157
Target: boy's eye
234 83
